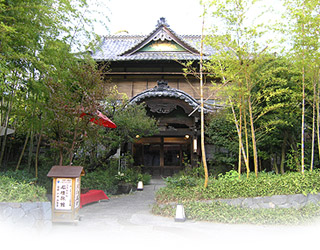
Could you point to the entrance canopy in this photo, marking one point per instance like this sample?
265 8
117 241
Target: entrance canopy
176 143
162 90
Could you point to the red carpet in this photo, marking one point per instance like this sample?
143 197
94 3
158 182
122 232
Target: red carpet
92 196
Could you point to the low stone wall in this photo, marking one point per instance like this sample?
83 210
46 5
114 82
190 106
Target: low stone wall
276 201
35 215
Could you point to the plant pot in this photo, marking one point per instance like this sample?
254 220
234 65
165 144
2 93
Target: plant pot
124 188
84 190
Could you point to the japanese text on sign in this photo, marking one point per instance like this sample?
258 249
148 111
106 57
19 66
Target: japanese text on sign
77 194
63 193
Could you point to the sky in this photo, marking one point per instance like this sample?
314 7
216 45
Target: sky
141 16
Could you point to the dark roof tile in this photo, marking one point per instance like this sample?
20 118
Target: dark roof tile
114 48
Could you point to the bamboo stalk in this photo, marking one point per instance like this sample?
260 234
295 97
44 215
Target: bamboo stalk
203 151
37 154
23 149
313 125
242 148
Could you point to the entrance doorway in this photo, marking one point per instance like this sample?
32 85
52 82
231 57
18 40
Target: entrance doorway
162 156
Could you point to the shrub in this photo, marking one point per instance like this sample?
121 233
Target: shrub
181 181
267 184
101 179
20 175
132 176
224 213
145 178
12 190
230 186
108 179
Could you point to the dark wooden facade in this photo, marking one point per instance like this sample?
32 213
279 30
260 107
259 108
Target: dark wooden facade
173 148
149 69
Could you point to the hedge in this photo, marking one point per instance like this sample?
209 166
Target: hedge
230 187
12 190
189 191
223 213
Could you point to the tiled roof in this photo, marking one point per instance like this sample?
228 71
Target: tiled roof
115 47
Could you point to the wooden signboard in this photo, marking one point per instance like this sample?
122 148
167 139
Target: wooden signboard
66 192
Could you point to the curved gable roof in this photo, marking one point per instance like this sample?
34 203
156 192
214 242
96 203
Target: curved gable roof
163 90
130 47
162 33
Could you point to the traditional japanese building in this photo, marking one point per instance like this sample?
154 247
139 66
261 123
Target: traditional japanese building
149 69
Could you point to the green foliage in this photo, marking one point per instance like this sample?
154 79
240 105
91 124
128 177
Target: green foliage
293 160
267 184
79 92
145 178
181 181
192 195
12 190
221 133
232 175
223 213
277 113
108 178
131 120
38 38
20 176
133 176
192 171
102 180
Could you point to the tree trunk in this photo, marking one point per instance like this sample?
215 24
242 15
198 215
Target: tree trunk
254 145
23 149
30 149
318 116
274 163
313 124
283 152
240 135
203 151
303 95
37 154
60 156
302 121
72 147
247 139
238 131
6 123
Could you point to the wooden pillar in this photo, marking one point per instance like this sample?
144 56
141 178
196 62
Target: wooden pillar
161 156
181 155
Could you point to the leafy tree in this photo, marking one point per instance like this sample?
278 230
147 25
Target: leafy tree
303 30
37 38
69 97
238 52
276 97
222 134
131 120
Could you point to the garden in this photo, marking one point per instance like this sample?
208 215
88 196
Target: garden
206 204
265 140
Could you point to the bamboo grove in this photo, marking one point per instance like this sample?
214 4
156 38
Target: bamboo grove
269 68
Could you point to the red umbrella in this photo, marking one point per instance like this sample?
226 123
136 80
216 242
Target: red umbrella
102 120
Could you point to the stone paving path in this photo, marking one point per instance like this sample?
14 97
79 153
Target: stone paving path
125 222
121 210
